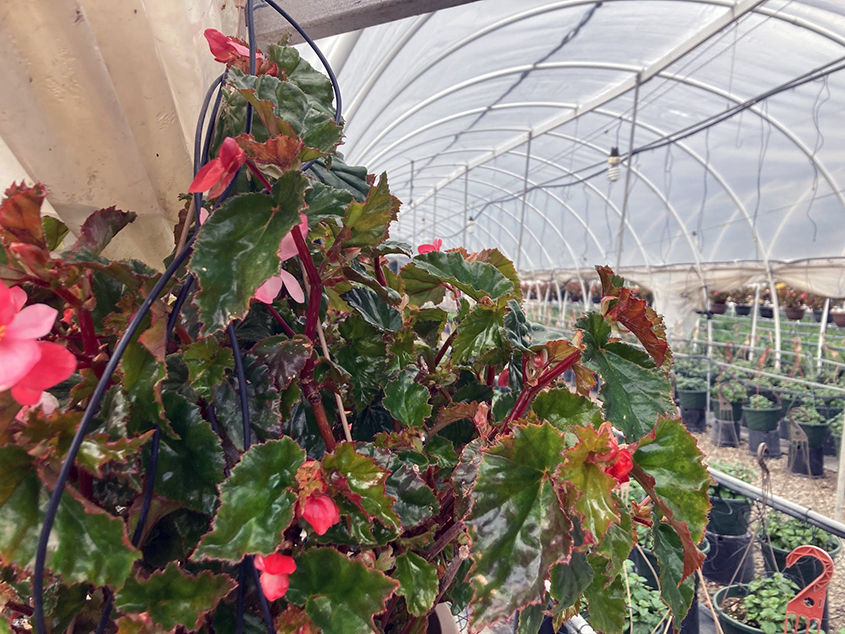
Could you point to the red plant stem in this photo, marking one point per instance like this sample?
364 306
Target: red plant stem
20 608
491 375
259 175
526 396
288 330
316 292
443 349
315 398
379 272
89 336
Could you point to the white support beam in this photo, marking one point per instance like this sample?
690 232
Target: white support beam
322 18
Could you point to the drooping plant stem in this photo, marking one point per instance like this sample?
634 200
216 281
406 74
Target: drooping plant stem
443 348
89 336
379 272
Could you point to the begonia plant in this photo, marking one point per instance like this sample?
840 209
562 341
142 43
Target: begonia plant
300 437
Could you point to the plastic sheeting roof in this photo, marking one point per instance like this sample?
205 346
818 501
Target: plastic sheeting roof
445 103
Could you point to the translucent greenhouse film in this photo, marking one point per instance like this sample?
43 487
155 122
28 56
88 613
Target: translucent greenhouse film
495 121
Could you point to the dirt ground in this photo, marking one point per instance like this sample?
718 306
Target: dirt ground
818 494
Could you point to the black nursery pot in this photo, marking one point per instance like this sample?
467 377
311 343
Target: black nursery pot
728 516
743 310
767 311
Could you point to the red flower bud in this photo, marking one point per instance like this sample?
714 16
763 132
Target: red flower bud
321 512
622 467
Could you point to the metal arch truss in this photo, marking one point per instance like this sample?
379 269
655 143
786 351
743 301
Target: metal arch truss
736 10
683 80
530 231
563 204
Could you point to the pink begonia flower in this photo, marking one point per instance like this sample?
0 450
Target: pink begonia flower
269 290
274 570
228 50
428 248
21 366
321 512
219 172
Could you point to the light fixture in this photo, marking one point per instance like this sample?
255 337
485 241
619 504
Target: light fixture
613 161
470 225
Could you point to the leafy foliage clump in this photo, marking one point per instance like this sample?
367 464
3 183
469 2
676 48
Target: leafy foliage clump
764 603
370 450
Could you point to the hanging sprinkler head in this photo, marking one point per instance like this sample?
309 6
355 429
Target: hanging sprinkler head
613 161
470 225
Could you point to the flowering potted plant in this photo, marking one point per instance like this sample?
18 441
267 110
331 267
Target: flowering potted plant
766 309
280 428
718 303
574 289
792 302
742 299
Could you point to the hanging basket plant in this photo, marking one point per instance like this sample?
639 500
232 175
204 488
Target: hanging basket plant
279 427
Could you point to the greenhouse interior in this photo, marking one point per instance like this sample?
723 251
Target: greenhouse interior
432 316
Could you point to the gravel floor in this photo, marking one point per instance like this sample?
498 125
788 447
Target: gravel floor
819 495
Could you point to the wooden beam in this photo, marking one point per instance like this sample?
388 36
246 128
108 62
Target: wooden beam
322 18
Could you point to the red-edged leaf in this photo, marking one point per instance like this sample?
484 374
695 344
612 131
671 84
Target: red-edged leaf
282 151
100 228
636 316
668 465
20 214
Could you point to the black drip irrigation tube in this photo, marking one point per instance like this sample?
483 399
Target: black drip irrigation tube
247 569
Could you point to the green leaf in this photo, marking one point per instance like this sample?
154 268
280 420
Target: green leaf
54 232
420 286
476 279
368 221
407 400
236 250
339 595
207 364
670 557
530 619
100 228
671 456
256 503
668 465
364 482
563 409
141 375
172 598
418 583
414 502
325 202
191 466
342 176
514 503
174 537
264 404
428 324
634 391
284 357
606 600
373 310
589 485
569 580
480 335
363 356
87 544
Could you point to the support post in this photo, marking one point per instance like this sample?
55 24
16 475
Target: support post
546 303
822 331
434 221
466 206
755 315
585 296
415 232
524 201
628 171
840 483
561 306
776 310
